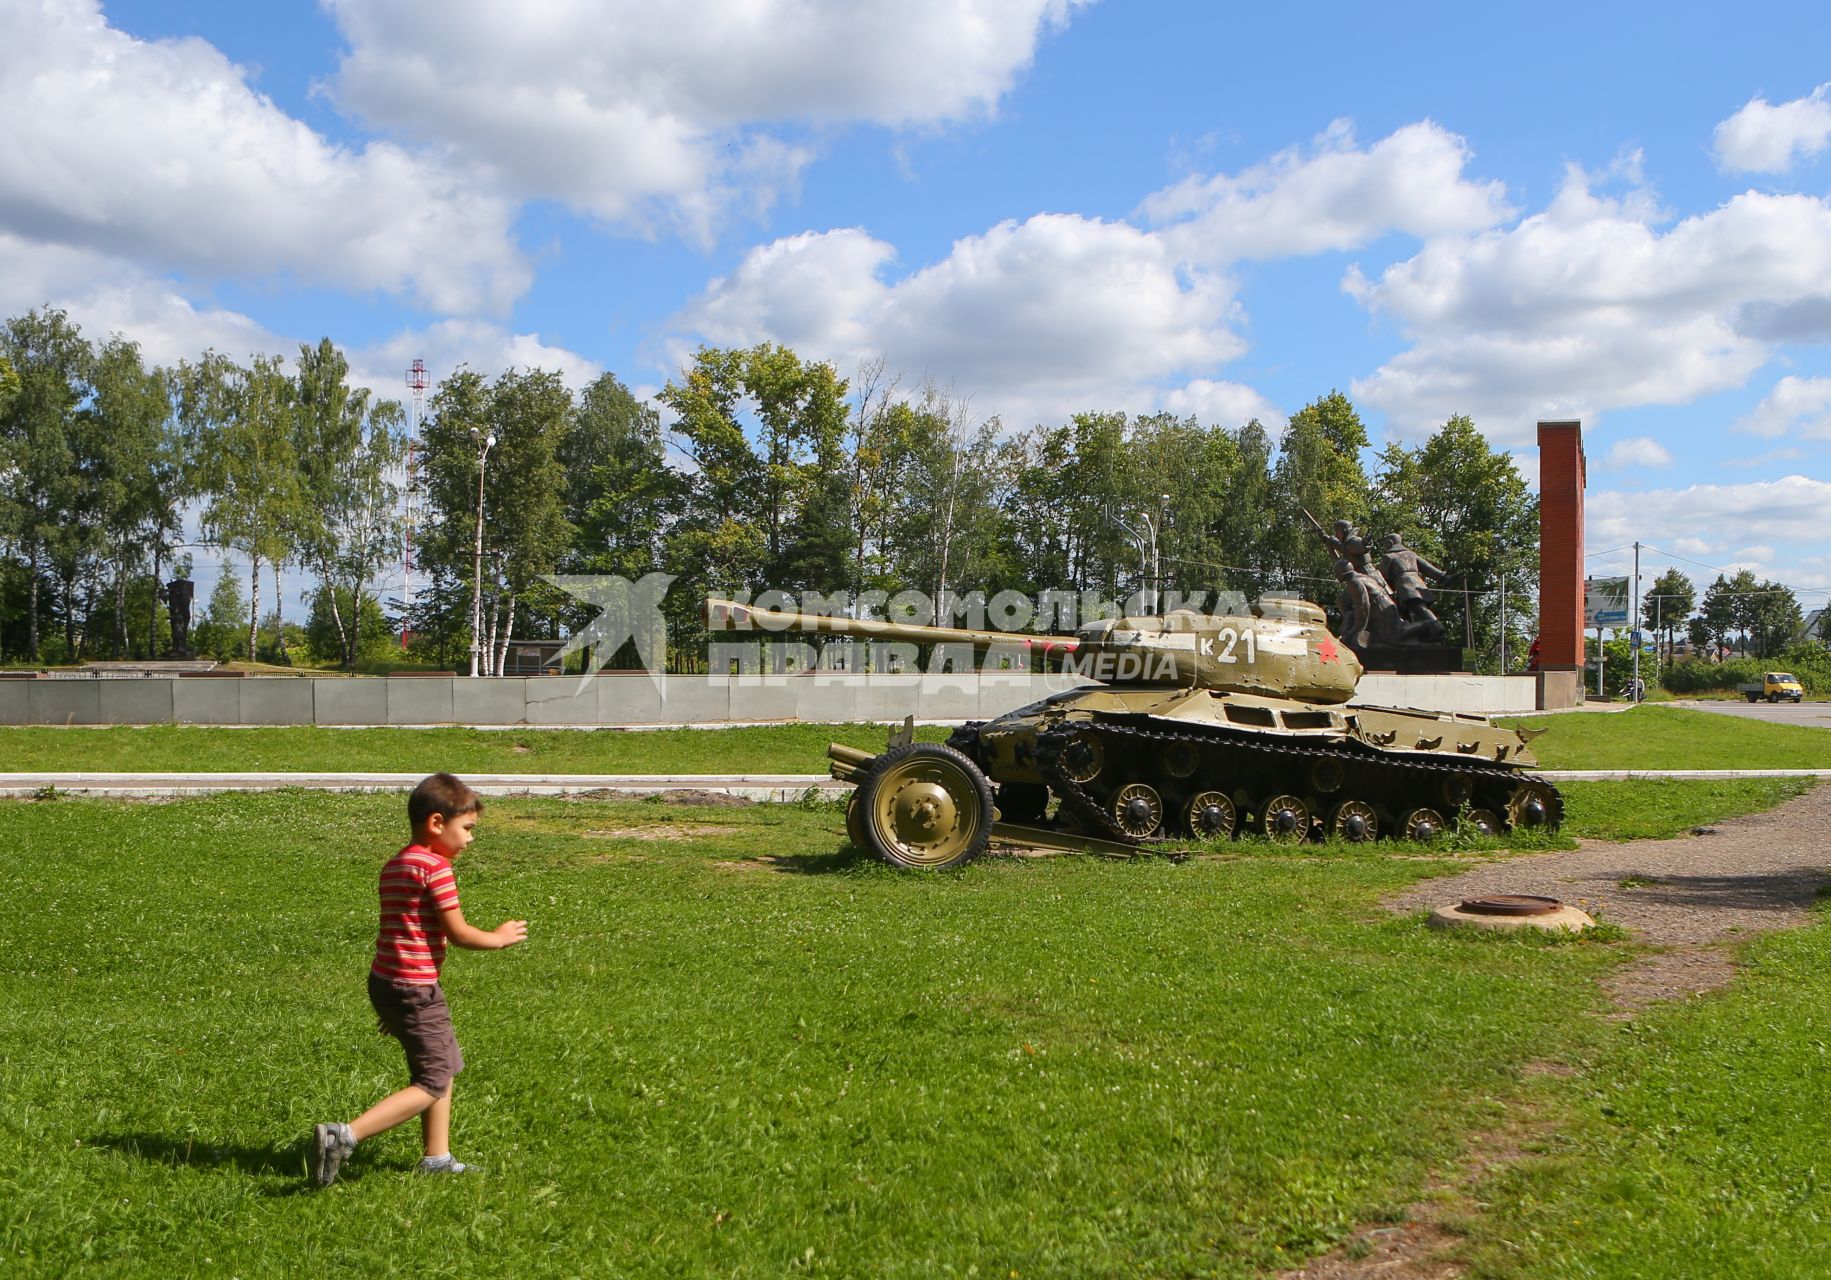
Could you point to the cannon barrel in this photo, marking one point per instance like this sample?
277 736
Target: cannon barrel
724 615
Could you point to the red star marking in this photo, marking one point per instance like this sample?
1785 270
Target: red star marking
1326 650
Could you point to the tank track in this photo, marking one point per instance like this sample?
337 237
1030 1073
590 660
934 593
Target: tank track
1417 781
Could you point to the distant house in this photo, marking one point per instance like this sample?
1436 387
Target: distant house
1817 626
533 658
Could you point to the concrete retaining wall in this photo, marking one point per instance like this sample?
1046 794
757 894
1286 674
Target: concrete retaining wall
620 699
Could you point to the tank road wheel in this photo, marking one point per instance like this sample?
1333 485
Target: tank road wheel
1083 757
1211 815
1024 803
1180 759
1138 810
1326 777
1485 821
925 806
1422 824
1534 804
855 830
1354 821
1455 791
1285 819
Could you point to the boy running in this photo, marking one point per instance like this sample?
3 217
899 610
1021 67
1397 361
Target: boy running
419 912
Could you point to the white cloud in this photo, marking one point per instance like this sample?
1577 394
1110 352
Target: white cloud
1334 197
1790 510
1030 320
1753 460
1763 138
159 151
1799 407
490 349
104 296
1637 451
1589 305
1222 404
638 112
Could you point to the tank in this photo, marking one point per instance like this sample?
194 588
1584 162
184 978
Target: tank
1193 727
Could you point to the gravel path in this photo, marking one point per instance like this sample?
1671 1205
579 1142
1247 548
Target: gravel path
1743 876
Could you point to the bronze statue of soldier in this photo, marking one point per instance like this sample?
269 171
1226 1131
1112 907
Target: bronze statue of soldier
1405 572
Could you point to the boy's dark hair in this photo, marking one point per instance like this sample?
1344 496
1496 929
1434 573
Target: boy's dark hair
443 794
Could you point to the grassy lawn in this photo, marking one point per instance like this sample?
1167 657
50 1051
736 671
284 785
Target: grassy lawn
786 748
1659 808
702 1064
1695 1140
1645 738
1653 737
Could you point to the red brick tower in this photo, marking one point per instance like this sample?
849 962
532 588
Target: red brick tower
1561 476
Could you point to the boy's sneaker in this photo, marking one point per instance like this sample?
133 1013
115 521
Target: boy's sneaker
445 1164
331 1146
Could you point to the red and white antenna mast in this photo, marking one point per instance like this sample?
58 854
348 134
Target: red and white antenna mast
416 383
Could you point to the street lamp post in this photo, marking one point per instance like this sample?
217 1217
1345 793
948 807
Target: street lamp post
484 444
1150 562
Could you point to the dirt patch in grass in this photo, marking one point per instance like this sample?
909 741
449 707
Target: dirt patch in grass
1421 1245
1677 974
662 831
689 796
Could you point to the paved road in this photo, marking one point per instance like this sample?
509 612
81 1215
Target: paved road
1816 714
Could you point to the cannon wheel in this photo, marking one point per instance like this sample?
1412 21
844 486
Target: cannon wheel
925 806
855 831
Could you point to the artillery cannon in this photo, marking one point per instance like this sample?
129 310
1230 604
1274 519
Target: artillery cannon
1194 726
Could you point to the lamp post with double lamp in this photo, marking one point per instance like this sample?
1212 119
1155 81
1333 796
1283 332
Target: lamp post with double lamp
1150 560
484 444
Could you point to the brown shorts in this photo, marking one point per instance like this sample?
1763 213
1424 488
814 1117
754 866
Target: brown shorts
415 1014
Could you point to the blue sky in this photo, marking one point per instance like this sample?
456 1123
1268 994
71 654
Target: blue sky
1618 213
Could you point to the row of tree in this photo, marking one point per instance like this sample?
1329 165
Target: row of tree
776 473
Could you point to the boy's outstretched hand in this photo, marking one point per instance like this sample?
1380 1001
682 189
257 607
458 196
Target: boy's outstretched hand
469 936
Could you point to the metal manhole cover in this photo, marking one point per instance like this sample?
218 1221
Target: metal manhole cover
1511 904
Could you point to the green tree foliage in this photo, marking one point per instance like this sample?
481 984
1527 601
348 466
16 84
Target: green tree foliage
1665 607
349 448
1319 471
221 629
332 625
1770 618
526 532
239 422
622 495
771 505
139 472
44 486
1720 614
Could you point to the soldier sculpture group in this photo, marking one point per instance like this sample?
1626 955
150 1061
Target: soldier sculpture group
1387 605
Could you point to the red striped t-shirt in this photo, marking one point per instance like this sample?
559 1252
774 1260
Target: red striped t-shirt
416 885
